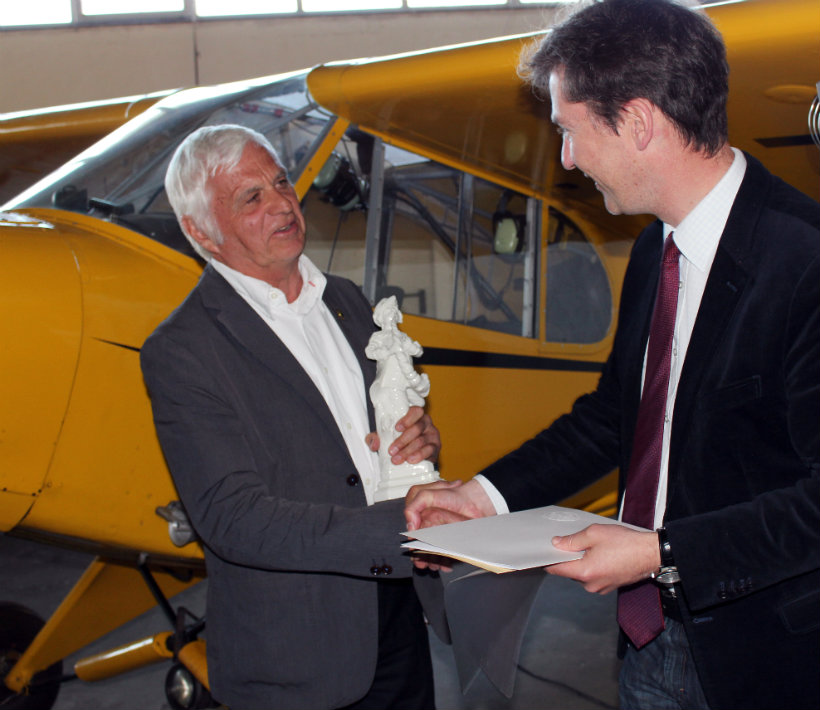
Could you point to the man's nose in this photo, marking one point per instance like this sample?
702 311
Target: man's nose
277 202
566 155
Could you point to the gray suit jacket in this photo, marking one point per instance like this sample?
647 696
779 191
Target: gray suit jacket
268 483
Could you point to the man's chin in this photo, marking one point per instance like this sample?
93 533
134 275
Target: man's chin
611 206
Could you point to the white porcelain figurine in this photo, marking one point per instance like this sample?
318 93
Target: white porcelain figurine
397 386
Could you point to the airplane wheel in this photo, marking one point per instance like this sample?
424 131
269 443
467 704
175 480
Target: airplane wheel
184 691
18 627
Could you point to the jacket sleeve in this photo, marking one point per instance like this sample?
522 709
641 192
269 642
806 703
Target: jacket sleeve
590 441
251 501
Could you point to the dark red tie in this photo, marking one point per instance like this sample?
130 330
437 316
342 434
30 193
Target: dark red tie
639 605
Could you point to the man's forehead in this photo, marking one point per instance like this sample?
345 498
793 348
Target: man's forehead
255 155
564 112
254 166
556 94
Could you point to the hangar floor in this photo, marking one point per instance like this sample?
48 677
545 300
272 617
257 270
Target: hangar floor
567 657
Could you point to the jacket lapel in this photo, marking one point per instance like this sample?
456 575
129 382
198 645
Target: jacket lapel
724 288
235 317
731 273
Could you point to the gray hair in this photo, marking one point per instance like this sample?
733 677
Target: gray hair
202 154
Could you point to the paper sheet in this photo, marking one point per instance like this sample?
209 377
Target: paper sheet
503 543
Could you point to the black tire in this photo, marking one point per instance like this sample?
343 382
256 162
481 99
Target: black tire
18 627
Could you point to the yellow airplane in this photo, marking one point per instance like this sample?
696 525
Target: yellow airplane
434 176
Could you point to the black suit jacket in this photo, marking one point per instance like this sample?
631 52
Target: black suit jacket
269 485
743 503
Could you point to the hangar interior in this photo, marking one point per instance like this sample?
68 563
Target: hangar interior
62 65
568 654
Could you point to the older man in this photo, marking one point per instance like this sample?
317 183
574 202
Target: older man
258 383
710 399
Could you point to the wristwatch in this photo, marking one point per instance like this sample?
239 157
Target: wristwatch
667 574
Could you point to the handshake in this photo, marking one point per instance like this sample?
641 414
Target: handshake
613 555
443 502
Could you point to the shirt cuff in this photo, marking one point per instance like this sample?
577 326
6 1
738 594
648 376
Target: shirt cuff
496 498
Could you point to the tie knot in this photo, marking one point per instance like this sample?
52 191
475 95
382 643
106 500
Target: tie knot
670 249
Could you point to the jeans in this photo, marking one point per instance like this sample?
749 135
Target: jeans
662 675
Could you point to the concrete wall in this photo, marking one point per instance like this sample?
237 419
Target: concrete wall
48 67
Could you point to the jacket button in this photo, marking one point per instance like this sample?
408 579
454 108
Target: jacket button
352 480
375 570
387 569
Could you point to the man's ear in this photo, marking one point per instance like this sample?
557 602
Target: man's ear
199 236
639 121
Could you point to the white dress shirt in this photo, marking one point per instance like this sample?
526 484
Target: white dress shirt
310 331
697 238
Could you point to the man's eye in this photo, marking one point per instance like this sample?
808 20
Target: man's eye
253 198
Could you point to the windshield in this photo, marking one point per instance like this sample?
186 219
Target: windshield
120 178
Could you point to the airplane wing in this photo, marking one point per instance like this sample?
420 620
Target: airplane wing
463 105
33 143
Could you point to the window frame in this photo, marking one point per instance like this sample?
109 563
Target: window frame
188 14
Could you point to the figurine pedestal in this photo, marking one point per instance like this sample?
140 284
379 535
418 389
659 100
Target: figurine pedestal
398 480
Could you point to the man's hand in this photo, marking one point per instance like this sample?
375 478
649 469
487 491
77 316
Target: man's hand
465 500
430 517
418 440
614 556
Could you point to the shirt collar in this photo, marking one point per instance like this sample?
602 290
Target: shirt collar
697 236
271 300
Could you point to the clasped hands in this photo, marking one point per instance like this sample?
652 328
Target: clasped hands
614 555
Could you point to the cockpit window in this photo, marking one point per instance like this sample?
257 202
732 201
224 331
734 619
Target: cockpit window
579 305
460 249
447 244
121 177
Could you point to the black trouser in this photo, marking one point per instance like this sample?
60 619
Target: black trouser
404 671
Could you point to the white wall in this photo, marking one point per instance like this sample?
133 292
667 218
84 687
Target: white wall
48 67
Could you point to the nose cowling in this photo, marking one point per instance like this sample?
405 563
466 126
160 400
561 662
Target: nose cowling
40 332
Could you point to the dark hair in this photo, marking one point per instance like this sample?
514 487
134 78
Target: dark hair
616 50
